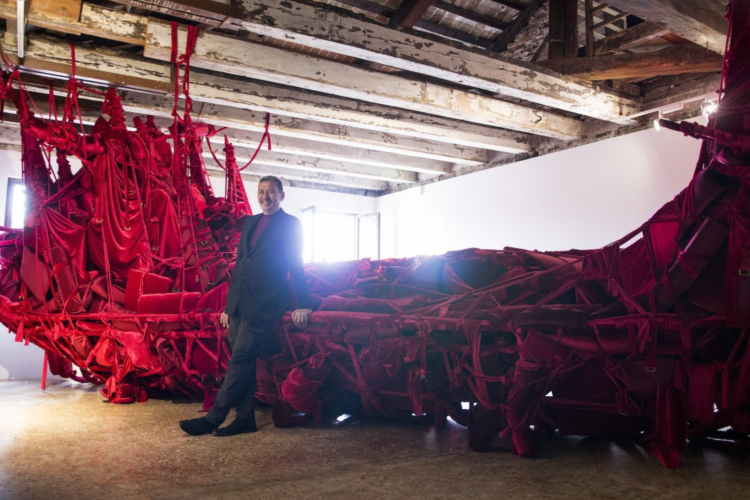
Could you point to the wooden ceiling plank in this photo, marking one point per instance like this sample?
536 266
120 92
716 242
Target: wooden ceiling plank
471 15
217 10
340 31
673 61
700 21
49 56
461 36
121 26
68 10
94 20
630 37
227 55
367 6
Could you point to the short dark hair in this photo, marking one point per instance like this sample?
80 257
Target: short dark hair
273 178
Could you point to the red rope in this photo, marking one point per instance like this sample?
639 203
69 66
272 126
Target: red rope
265 138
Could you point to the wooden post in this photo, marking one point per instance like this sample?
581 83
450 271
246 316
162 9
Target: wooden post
589 28
563 29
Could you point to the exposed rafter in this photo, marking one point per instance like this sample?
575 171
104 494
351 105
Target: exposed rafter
671 61
630 37
700 21
470 15
227 55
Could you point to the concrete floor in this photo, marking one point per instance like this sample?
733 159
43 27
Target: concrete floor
66 443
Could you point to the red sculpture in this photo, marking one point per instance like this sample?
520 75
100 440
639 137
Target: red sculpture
121 269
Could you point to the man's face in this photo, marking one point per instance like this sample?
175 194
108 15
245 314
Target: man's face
269 197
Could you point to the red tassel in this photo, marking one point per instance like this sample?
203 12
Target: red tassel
19 332
44 372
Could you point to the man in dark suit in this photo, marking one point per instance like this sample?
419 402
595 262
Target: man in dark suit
270 249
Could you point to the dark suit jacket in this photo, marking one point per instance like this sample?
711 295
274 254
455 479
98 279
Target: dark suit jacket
259 288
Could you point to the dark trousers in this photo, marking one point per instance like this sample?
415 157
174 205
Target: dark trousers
248 339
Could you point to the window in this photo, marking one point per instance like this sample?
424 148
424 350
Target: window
338 236
15 204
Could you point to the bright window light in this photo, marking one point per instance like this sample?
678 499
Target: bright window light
15 206
338 236
334 237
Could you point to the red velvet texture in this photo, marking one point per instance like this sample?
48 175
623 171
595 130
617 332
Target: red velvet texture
122 270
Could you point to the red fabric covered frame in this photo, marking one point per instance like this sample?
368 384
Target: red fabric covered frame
648 341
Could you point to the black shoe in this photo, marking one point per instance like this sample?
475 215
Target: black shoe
239 426
197 426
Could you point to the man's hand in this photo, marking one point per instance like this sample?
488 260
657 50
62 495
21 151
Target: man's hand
224 320
300 317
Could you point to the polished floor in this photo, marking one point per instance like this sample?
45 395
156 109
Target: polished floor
65 443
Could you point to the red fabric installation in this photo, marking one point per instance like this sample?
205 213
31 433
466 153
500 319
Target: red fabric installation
122 270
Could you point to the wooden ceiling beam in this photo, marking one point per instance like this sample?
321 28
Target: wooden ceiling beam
340 31
563 29
461 36
102 65
471 15
682 89
700 21
289 168
419 155
228 55
210 12
630 37
599 7
94 20
310 24
672 61
326 151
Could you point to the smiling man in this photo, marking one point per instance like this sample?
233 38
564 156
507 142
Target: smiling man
270 250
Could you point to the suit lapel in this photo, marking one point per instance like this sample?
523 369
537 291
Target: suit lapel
275 221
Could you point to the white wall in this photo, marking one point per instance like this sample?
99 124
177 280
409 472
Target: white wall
581 198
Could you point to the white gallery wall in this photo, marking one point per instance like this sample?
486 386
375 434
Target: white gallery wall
580 198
